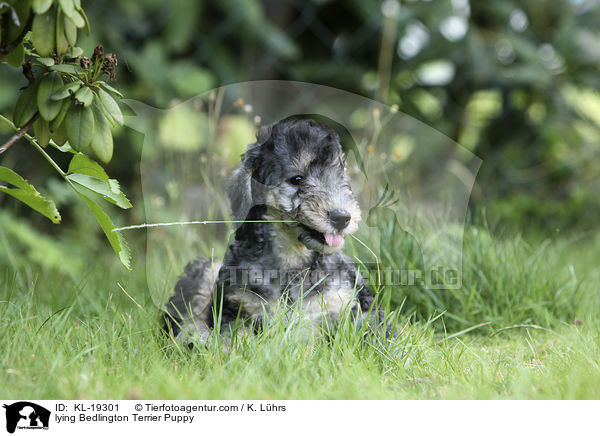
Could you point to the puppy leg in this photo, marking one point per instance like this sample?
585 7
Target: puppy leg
187 311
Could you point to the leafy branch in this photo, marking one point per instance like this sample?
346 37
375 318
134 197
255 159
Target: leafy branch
68 104
14 138
85 177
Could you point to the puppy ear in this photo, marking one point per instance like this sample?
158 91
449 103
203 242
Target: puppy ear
243 191
239 185
264 133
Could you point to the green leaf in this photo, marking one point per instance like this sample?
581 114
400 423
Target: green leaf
110 107
43 33
28 194
115 238
74 52
48 107
65 148
67 7
6 126
19 16
16 56
85 96
111 89
79 123
62 44
78 19
48 62
102 144
110 190
65 91
67 68
26 106
82 164
86 23
57 121
41 131
59 135
70 30
41 6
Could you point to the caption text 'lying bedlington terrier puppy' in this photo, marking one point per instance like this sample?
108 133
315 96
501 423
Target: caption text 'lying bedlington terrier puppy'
295 172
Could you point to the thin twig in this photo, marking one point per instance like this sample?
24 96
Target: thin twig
182 223
132 299
6 49
33 142
517 326
14 138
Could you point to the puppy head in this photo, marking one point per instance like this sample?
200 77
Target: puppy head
298 170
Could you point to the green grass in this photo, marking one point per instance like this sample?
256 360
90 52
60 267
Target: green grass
84 338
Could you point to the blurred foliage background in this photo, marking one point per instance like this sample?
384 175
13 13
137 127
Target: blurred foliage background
515 82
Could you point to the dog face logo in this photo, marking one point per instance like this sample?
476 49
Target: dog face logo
26 415
298 170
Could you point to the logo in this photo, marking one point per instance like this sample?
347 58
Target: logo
26 415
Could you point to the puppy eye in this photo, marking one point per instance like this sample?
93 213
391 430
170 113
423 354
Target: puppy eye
295 180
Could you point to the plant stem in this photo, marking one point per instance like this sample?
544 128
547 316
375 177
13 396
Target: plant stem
386 51
14 138
48 158
7 48
31 139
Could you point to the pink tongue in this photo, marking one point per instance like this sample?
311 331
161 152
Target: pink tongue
333 240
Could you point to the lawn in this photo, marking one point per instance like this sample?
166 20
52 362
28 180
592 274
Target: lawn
523 326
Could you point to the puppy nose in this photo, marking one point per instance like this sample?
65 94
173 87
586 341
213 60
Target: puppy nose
339 219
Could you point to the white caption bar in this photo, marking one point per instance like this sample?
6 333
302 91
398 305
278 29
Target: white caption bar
23 417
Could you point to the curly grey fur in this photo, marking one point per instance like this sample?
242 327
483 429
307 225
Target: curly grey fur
270 261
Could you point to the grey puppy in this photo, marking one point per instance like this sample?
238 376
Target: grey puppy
296 173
